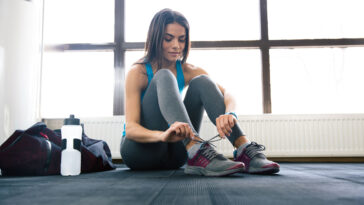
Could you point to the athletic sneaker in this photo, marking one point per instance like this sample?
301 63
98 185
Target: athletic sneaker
208 162
255 161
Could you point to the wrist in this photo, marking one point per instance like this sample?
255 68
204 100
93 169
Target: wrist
158 136
232 113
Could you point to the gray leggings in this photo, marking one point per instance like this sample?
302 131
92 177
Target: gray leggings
161 106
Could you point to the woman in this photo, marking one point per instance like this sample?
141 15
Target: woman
162 129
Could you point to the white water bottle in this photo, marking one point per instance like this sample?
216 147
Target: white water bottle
71 147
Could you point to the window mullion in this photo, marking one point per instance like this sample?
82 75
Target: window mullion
119 57
267 104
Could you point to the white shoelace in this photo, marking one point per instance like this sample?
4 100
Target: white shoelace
208 151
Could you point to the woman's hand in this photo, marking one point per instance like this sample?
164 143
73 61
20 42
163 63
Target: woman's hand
224 125
177 132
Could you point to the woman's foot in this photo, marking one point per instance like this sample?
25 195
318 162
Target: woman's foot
206 161
255 161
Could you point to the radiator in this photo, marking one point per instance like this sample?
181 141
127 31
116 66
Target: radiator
339 135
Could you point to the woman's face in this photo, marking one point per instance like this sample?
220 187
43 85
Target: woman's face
174 42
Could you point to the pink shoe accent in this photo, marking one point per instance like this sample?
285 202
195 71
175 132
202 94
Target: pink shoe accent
245 159
237 166
273 165
198 160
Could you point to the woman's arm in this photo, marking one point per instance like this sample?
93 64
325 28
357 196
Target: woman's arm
225 123
136 81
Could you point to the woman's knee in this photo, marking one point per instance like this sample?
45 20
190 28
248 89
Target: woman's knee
201 81
164 73
164 78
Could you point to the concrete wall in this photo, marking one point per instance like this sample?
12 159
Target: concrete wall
20 64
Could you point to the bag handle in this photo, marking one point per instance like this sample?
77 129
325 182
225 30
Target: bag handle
36 128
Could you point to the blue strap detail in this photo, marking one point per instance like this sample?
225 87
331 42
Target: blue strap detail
180 77
232 113
149 69
149 72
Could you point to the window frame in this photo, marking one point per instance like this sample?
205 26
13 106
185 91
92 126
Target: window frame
119 47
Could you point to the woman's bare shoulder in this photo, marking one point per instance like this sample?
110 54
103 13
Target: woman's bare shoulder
137 69
189 67
192 69
137 75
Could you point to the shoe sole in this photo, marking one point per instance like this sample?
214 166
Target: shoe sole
265 171
202 171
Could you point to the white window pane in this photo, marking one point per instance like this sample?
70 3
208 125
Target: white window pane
131 57
317 80
239 71
80 21
208 19
315 19
80 83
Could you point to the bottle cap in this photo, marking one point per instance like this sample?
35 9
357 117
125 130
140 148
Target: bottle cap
71 121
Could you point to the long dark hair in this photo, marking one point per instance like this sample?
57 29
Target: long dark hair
153 45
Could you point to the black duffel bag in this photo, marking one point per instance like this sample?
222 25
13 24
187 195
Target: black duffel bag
37 151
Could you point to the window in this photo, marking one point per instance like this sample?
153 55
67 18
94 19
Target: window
279 56
77 81
235 20
242 78
321 76
81 21
312 19
317 80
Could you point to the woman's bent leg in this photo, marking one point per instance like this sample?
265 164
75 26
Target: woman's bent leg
142 156
161 106
204 93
